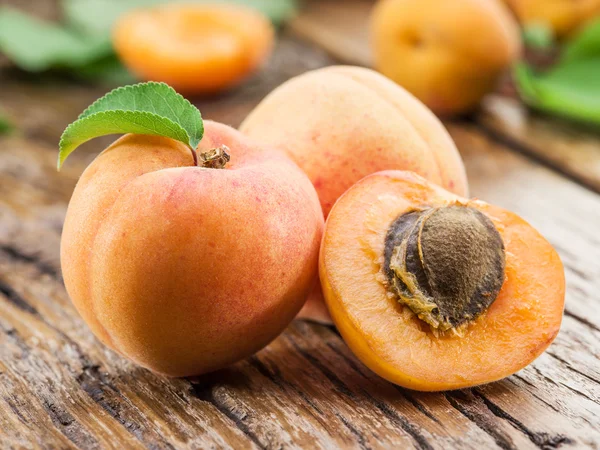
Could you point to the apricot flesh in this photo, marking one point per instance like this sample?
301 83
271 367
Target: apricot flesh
389 338
185 269
195 48
449 54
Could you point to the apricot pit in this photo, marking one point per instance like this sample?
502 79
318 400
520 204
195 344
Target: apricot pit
445 263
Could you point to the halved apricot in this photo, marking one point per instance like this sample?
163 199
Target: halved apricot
433 291
196 48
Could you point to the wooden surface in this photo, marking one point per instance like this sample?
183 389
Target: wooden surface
60 388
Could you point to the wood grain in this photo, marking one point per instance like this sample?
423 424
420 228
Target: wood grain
60 388
571 149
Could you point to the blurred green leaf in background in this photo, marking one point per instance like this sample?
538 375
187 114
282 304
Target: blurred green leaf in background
35 45
81 45
5 126
571 87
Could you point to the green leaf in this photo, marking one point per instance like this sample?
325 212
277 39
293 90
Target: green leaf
108 71
585 44
35 45
5 125
99 16
144 108
571 88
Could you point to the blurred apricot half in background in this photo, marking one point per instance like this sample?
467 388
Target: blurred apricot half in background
449 54
196 48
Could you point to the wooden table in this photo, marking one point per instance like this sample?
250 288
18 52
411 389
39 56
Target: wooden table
60 388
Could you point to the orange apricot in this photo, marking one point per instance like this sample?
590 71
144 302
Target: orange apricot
433 291
341 123
563 16
196 48
449 54
187 269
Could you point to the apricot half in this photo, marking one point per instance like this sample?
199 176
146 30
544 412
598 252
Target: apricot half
183 268
196 48
433 291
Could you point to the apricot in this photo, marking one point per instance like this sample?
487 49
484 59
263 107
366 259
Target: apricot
449 54
186 269
433 291
563 16
342 123
195 48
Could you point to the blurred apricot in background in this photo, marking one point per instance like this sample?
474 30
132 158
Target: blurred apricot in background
562 16
448 54
196 48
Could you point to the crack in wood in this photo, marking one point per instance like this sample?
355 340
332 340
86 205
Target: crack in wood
543 440
333 378
43 267
277 378
533 392
504 442
582 394
68 426
388 412
204 392
360 438
582 320
418 405
413 401
17 300
570 367
402 422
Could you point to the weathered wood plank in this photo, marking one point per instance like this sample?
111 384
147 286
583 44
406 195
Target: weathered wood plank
339 27
307 381
568 148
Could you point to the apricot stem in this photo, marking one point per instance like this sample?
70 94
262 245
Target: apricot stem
215 158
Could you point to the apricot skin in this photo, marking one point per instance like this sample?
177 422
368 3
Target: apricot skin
388 338
449 54
342 123
563 16
197 49
183 269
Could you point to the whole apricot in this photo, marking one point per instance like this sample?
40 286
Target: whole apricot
184 268
195 48
563 16
342 123
433 291
449 54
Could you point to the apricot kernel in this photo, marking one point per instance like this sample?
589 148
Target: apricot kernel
445 263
